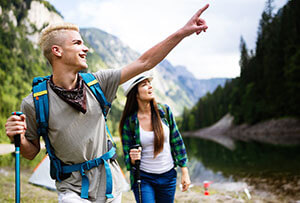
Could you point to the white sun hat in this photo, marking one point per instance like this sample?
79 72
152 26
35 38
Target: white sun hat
135 81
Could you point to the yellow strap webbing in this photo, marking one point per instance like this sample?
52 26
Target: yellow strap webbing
37 94
92 83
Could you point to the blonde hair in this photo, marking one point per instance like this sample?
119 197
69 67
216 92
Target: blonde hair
53 35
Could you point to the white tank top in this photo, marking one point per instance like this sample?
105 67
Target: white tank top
163 162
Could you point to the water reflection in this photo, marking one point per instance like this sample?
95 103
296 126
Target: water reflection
247 159
199 173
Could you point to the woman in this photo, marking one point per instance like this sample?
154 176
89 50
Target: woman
153 127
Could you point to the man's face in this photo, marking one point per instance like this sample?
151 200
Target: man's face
74 51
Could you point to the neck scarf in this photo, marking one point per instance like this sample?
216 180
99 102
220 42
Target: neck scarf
75 97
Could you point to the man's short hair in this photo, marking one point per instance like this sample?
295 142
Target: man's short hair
53 35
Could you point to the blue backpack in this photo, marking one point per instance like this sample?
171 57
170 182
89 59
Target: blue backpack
58 170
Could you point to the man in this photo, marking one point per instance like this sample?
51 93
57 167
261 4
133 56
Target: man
76 124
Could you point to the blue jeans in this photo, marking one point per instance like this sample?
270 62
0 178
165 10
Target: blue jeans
157 187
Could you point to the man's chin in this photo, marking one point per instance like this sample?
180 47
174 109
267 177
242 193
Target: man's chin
82 67
85 66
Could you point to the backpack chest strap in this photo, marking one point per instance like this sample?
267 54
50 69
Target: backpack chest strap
82 167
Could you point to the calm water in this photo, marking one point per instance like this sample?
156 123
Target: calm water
212 161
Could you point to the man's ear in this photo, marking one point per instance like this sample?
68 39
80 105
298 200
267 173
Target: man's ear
56 50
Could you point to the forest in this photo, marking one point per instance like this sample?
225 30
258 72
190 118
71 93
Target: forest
269 83
268 86
19 63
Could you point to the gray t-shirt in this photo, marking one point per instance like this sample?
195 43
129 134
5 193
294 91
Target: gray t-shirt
78 137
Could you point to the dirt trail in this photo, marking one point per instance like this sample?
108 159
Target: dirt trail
9 148
6 148
218 192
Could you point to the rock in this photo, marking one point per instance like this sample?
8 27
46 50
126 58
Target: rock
284 131
39 16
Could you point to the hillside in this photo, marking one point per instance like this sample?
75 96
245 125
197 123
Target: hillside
269 85
174 85
285 131
21 60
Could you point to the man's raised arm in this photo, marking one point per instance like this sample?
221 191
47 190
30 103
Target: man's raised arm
156 54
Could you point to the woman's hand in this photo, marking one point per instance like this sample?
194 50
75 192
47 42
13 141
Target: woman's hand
135 154
185 179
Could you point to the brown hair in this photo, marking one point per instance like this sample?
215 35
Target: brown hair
131 107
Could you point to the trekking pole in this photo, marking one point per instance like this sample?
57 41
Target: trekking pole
138 174
17 163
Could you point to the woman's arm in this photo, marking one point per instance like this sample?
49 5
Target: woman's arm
185 178
126 139
176 141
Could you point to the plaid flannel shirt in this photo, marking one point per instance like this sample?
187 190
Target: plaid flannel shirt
131 136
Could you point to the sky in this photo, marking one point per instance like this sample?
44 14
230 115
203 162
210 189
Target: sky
141 24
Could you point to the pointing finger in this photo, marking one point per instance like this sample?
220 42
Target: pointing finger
202 10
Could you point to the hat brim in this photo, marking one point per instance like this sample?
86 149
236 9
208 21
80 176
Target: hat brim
140 79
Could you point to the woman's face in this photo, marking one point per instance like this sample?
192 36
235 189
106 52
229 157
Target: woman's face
145 91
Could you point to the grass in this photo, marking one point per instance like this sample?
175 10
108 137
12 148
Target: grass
8 160
31 193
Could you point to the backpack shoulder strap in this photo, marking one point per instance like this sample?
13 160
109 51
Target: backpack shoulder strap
41 103
58 170
40 98
94 86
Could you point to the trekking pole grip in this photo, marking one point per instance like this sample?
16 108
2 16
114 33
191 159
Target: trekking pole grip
138 173
137 162
17 137
17 140
136 146
17 163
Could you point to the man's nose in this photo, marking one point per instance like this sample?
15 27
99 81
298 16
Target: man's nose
85 48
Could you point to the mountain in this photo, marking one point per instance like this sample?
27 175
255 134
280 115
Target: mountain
193 87
21 60
268 87
174 85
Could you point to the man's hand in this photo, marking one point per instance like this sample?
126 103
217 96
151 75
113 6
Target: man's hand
196 24
156 54
16 125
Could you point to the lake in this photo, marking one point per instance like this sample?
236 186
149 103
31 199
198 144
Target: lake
273 166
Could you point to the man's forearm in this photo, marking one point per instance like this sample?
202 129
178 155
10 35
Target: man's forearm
157 53
29 149
152 57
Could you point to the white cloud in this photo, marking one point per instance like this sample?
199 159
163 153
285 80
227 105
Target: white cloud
143 23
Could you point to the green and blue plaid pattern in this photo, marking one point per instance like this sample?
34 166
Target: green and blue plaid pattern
131 136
